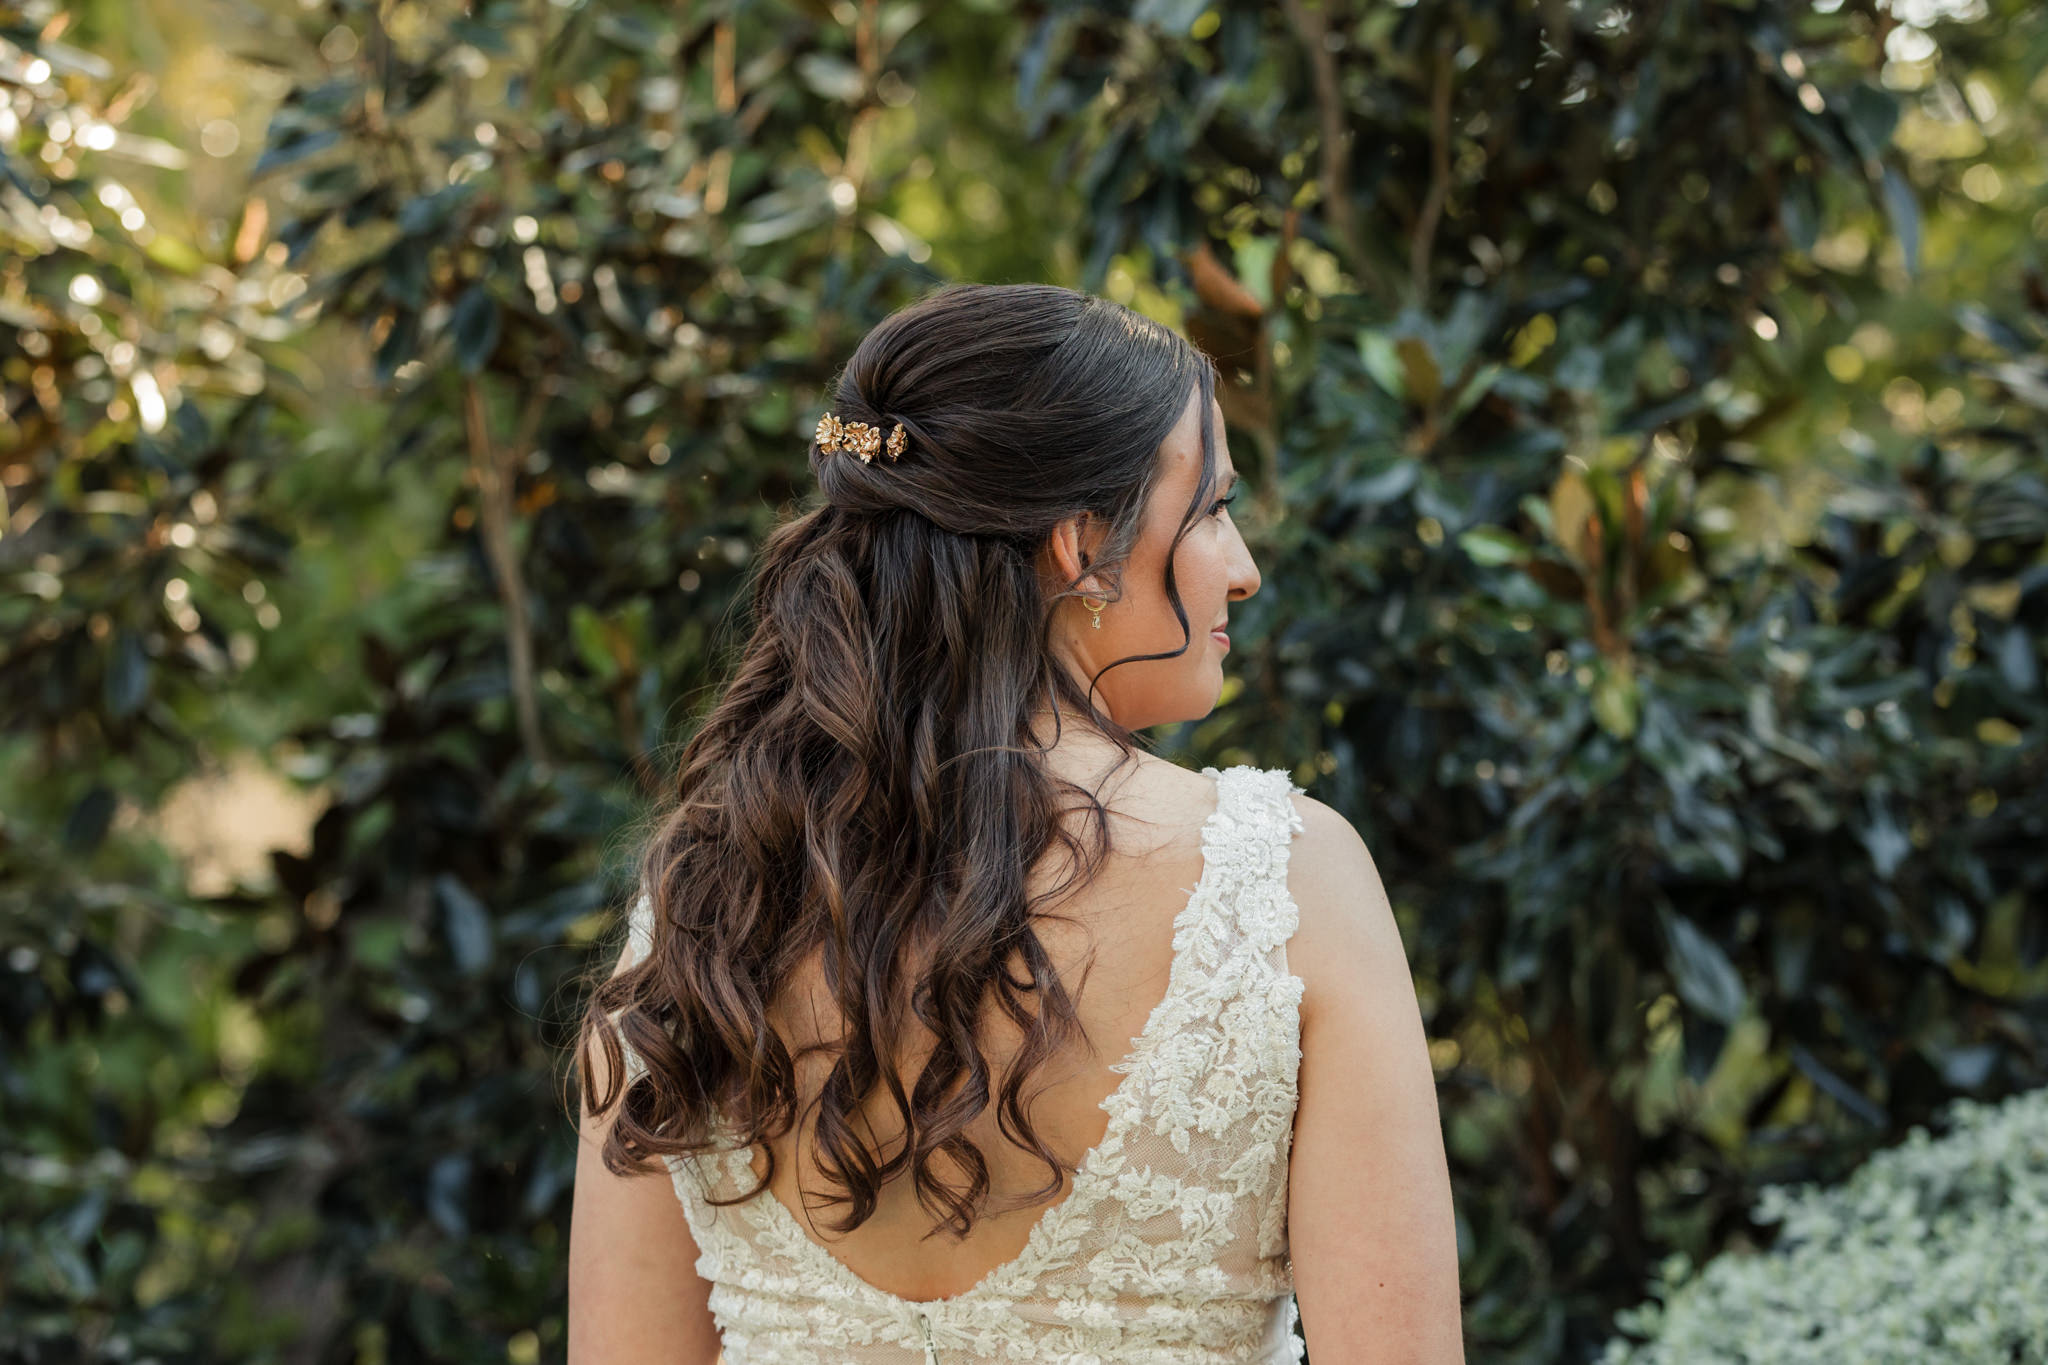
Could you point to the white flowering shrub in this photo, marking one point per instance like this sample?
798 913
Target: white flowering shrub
1936 1250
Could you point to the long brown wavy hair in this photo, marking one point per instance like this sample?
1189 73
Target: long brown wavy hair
867 788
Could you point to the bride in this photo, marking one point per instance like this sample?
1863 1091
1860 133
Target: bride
960 1027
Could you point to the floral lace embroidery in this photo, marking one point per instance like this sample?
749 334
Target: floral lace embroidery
1171 1243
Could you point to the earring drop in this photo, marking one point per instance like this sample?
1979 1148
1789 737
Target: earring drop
1095 608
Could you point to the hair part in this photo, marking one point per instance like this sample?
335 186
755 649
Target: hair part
867 788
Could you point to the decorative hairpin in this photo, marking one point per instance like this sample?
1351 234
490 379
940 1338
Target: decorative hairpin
859 438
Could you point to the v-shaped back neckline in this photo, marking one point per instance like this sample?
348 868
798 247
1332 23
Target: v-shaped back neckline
1215 830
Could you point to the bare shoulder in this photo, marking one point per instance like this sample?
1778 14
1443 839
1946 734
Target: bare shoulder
1346 940
1327 852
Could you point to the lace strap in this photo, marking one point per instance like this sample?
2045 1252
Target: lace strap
639 943
640 927
1251 835
1266 912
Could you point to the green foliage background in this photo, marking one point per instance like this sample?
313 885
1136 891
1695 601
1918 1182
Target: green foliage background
1646 408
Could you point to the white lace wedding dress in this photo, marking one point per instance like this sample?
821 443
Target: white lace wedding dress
1171 1244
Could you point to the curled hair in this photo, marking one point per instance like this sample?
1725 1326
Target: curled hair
867 788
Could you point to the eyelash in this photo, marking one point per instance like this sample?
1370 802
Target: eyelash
1222 503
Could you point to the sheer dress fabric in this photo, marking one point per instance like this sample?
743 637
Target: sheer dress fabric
1170 1246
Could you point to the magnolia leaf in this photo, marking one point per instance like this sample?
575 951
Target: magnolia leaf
1705 978
475 328
1571 504
467 924
1491 546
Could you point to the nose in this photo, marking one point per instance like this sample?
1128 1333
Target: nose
1244 577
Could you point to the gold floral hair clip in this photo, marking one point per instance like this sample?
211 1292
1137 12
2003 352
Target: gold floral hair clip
859 438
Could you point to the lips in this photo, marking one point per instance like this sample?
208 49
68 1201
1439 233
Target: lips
1217 633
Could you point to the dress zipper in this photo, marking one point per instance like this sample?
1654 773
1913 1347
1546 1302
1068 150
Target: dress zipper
931 1354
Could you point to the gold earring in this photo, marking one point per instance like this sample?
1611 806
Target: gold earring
1095 608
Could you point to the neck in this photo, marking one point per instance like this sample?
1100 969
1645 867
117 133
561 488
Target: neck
1080 752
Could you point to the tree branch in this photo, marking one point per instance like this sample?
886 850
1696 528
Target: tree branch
1424 241
497 471
1312 28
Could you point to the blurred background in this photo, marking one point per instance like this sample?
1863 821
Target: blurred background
1644 409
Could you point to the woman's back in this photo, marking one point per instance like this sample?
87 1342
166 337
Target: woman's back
1170 1241
1125 919
1024 519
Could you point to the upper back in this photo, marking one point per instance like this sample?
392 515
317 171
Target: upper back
1169 1228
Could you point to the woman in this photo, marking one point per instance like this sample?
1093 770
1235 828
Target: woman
965 1029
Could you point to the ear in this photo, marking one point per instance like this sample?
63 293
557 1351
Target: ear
1071 551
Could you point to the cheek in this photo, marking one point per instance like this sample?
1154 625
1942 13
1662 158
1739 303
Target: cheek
1203 576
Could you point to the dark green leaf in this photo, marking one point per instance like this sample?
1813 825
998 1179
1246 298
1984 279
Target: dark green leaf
447 1193
1800 215
90 816
1869 114
297 147
1904 211
475 326
1881 835
1706 979
467 923
2019 660
127 681
429 212
1843 1093
405 272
